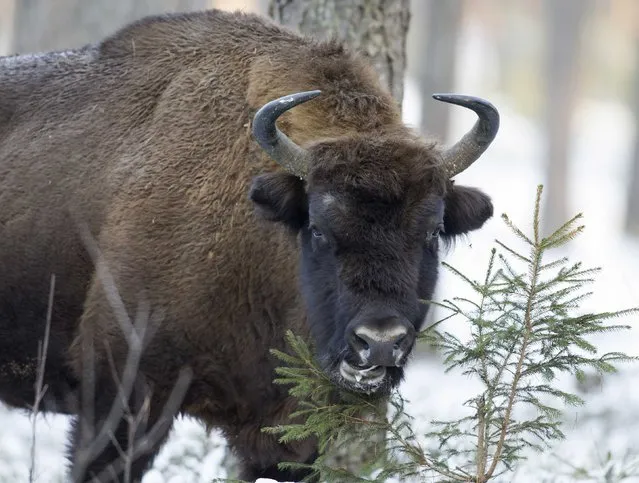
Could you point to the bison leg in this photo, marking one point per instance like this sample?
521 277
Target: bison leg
119 448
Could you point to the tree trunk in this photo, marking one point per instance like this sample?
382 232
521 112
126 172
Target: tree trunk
432 52
44 25
377 29
632 213
7 8
565 20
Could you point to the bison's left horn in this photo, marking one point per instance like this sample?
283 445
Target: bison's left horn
469 148
276 144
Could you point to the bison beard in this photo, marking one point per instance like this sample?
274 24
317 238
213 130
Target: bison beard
182 253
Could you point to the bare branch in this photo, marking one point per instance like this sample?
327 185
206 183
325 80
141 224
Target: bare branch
40 388
144 444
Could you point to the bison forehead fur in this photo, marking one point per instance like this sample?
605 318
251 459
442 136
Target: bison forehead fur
129 172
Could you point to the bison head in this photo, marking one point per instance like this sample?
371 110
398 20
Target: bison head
370 211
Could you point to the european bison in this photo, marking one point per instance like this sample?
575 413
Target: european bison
133 171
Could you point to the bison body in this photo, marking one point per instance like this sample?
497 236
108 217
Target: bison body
128 170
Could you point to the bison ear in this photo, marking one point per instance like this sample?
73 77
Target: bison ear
466 209
280 197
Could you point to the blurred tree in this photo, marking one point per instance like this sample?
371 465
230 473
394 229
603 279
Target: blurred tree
435 25
378 30
42 25
564 23
632 213
6 25
375 28
432 48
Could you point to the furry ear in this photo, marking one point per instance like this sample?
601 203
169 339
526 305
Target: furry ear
280 197
466 209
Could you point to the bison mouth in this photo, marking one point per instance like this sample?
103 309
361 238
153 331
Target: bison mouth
367 379
364 375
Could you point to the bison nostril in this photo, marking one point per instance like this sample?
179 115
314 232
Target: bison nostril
359 343
399 342
380 339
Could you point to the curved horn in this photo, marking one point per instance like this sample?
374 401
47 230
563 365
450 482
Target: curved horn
469 148
276 144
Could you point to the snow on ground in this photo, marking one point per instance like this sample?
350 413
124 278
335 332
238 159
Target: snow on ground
509 172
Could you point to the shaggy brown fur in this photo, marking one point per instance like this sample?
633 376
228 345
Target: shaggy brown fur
145 139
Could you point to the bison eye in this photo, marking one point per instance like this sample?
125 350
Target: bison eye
436 232
318 239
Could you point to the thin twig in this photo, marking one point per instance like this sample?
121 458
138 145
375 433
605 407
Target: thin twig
142 445
88 453
40 388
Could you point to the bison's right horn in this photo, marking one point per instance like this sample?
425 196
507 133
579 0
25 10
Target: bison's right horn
469 148
276 144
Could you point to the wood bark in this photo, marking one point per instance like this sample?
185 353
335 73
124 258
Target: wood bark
44 25
375 28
